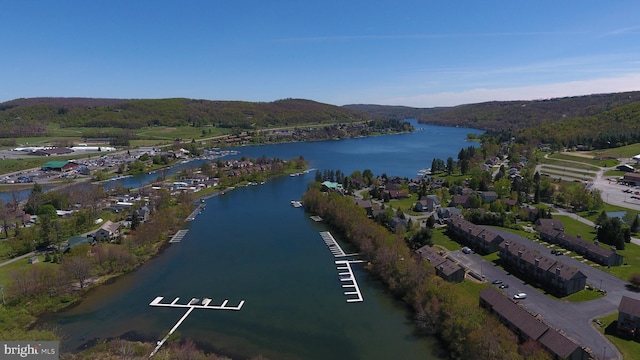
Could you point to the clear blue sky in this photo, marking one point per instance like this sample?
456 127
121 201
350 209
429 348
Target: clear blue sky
415 53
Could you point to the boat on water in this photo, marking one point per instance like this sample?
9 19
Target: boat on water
296 203
424 172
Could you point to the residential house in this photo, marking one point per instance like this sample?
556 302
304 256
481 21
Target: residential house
367 205
444 213
461 200
108 231
427 203
332 186
629 317
78 240
445 268
528 327
480 239
545 272
488 196
554 224
395 221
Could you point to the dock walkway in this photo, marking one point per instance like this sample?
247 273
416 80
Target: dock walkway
345 273
335 249
178 236
349 281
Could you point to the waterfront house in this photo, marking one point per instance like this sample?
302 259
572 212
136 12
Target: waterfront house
78 240
367 205
629 317
108 231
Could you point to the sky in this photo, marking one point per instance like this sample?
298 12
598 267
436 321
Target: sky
412 53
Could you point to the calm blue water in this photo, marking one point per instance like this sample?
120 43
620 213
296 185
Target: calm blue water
251 245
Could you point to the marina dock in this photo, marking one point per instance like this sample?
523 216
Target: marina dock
345 273
348 281
177 237
191 305
195 213
333 246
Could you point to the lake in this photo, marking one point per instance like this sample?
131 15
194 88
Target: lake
251 245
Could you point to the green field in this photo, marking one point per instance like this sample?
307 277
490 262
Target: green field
573 165
585 160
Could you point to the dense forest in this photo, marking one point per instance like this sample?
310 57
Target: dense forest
29 117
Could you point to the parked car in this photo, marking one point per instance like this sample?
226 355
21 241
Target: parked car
466 250
503 286
496 282
520 296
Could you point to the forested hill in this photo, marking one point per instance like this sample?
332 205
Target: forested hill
499 116
134 113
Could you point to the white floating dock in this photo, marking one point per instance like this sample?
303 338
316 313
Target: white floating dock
349 281
194 303
178 236
333 246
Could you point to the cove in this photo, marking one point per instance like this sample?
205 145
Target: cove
251 244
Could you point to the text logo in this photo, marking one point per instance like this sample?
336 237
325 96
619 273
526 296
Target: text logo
41 350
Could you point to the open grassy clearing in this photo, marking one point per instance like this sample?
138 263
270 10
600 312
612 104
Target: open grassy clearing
582 159
620 152
581 166
441 239
6 270
567 173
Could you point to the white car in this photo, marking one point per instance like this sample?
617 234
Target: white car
520 296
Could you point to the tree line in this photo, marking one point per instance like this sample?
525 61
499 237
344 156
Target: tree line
439 308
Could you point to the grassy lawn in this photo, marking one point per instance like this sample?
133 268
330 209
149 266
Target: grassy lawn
440 238
595 162
577 228
580 296
623 151
572 165
567 172
628 348
5 271
472 288
406 205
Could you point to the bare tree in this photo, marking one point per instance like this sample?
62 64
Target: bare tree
78 268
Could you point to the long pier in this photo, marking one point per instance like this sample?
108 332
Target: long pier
191 305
